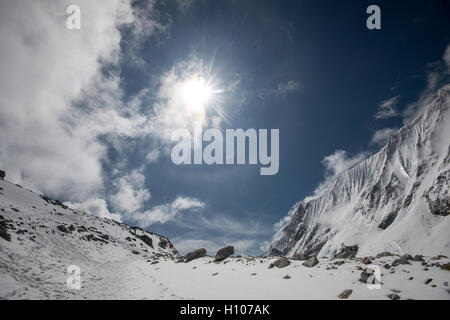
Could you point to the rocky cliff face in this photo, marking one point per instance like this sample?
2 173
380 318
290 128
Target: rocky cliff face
396 200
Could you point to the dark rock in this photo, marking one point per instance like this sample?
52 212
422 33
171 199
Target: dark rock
418 257
199 253
439 257
4 231
384 254
300 256
224 253
346 294
347 252
128 239
2 174
428 281
394 296
134 252
63 228
446 266
404 259
146 239
367 261
280 263
215 274
163 243
388 220
286 277
311 262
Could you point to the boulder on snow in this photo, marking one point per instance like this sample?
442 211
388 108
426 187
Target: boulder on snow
404 259
224 253
446 266
346 294
347 252
300 256
4 231
384 254
63 228
280 263
2 174
199 253
311 262
365 275
418 257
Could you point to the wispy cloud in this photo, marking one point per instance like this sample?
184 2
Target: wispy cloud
287 87
386 109
166 212
381 136
335 164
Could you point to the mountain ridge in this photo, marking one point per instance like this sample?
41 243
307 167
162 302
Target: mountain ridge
409 174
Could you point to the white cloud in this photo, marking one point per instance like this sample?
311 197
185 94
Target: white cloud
335 164
166 212
153 156
96 207
264 246
381 136
446 58
131 193
284 88
340 161
386 109
436 74
54 100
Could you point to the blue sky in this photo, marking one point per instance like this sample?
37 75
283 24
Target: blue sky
309 68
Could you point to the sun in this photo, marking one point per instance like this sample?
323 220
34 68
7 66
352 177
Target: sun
196 93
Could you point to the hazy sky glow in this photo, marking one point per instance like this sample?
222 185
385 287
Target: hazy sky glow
86 115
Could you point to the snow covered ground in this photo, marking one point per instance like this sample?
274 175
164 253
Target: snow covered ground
120 262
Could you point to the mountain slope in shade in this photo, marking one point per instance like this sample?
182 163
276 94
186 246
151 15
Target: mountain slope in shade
396 200
40 238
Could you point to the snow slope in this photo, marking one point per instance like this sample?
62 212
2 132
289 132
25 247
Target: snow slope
396 200
34 262
116 263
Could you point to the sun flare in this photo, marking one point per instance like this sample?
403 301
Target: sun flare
196 94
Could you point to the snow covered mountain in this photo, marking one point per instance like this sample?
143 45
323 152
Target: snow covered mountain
40 238
397 200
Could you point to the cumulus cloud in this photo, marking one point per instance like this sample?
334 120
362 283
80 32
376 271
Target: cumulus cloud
166 212
56 99
381 136
96 207
386 109
131 193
